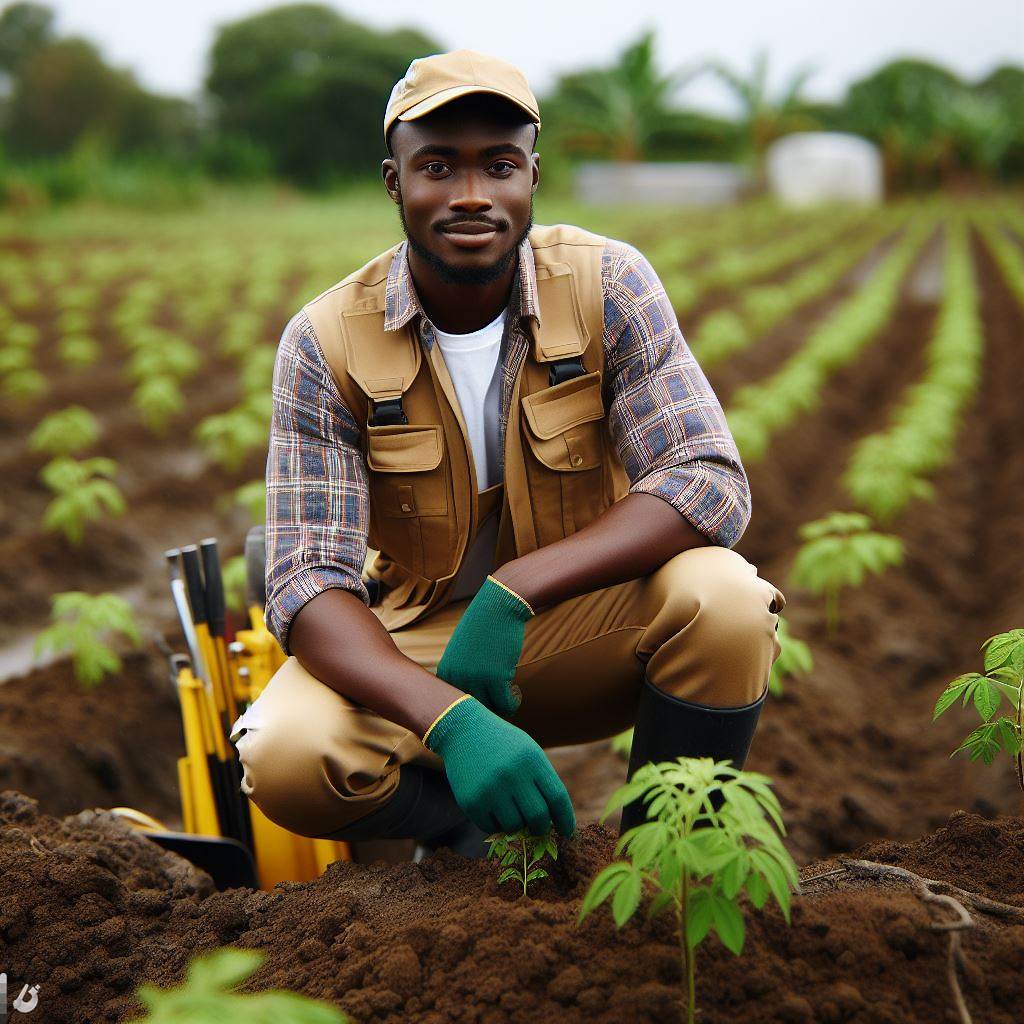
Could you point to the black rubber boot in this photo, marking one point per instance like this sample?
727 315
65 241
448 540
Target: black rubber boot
422 808
667 728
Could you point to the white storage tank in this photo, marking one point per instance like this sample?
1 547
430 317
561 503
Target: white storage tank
806 168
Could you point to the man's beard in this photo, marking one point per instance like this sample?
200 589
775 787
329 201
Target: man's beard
451 274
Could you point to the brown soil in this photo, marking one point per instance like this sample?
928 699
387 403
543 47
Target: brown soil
89 910
851 748
113 746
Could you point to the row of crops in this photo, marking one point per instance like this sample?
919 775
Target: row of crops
103 334
184 315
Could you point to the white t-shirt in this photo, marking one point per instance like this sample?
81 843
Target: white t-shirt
472 362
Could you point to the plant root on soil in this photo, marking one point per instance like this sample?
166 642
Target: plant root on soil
925 888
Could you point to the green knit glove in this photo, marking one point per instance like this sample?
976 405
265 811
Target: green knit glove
499 775
484 648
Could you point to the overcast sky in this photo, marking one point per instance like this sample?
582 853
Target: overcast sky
166 43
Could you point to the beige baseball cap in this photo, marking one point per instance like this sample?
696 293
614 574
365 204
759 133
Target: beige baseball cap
431 82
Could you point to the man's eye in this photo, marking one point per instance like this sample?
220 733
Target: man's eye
435 167
503 166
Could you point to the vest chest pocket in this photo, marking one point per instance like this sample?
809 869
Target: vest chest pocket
409 484
564 427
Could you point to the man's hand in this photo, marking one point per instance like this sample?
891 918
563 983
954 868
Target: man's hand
484 648
499 775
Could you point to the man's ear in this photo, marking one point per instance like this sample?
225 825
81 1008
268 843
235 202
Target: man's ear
389 172
536 172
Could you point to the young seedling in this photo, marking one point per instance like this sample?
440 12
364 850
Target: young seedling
839 551
206 996
65 432
712 831
1003 678
82 623
794 659
228 437
518 853
622 744
82 494
158 400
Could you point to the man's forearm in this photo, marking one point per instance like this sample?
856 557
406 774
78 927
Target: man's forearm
632 538
342 643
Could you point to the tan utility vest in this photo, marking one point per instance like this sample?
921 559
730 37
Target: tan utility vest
561 469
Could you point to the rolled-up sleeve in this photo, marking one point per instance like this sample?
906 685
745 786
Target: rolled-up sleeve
317 497
667 424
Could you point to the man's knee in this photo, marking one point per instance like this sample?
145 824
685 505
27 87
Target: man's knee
300 786
719 621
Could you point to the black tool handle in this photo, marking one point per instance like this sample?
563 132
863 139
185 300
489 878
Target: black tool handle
214 585
194 583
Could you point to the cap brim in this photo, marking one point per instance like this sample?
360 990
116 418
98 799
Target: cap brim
446 96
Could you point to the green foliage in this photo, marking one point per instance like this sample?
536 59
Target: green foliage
622 744
24 385
309 86
229 437
616 111
695 859
173 357
236 583
158 400
759 411
839 551
65 432
82 625
206 996
83 494
1003 679
518 853
929 123
78 351
253 498
795 659
889 468
765 117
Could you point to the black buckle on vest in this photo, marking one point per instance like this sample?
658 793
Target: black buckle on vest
565 369
388 412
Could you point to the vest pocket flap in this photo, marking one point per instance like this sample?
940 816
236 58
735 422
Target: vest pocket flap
554 410
403 449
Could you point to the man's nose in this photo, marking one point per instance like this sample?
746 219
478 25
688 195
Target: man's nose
471 197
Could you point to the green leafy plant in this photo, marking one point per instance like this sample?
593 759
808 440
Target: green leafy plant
518 853
622 744
228 437
83 495
712 832
65 432
206 996
82 625
839 551
794 659
24 385
78 351
1003 678
236 583
158 400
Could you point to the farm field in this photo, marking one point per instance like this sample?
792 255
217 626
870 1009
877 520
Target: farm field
869 361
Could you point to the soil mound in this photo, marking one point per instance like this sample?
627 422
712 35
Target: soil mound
89 910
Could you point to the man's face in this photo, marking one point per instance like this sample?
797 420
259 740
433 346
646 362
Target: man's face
464 181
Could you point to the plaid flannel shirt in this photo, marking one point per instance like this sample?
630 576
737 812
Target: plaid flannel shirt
666 423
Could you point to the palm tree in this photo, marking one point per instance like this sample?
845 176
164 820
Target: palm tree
614 111
764 118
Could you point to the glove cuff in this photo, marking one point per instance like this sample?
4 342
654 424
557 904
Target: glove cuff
445 724
507 599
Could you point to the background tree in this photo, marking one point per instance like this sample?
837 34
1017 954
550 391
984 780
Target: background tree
623 112
765 117
308 87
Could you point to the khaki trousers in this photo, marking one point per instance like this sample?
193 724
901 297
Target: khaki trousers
702 626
